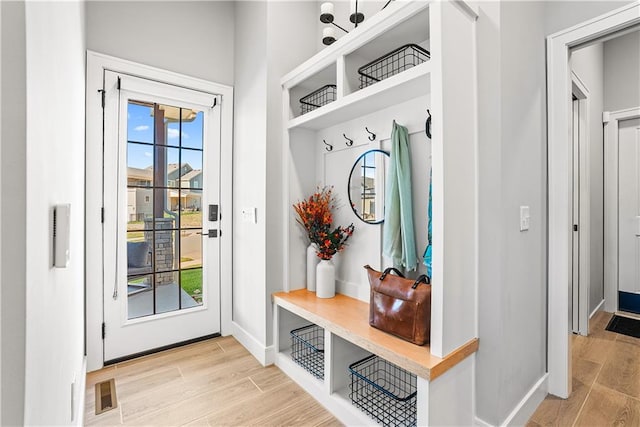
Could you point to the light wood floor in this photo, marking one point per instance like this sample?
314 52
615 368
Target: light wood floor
214 382
606 382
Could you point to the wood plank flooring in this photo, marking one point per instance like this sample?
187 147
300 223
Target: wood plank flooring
606 382
214 382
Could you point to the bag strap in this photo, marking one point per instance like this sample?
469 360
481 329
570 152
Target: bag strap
388 270
423 278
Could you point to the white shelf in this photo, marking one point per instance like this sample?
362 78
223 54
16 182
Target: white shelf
409 84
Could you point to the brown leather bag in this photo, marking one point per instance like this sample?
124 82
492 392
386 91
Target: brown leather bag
400 306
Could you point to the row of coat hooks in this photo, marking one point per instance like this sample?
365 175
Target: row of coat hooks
349 141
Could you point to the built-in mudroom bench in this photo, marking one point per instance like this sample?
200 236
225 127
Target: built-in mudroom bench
410 65
347 338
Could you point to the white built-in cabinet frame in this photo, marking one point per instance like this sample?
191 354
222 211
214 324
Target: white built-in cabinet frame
599 29
451 81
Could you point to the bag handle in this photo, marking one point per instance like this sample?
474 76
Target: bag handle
388 270
423 278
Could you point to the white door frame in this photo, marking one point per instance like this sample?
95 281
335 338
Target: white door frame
581 92
559 182
96 64
611 121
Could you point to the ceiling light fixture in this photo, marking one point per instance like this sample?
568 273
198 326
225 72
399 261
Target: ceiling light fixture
327 17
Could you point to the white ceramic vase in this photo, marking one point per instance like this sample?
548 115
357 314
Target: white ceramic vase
325 279
312 262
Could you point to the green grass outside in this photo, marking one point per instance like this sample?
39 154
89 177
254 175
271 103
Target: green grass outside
191 282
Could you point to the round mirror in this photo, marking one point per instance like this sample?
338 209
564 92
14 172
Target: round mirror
366 186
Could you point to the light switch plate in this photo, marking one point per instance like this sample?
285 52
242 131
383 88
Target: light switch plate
525 218
249 215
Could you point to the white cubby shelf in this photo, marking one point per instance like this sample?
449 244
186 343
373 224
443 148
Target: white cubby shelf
394 90
446 85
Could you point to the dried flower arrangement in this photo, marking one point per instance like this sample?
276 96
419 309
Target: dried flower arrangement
315 215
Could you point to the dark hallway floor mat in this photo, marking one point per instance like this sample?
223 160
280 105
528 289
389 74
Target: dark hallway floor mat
624 325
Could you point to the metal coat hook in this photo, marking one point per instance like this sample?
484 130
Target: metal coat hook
372 136
427 125
349 140
328 147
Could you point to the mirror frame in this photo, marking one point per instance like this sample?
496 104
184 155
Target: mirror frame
375 150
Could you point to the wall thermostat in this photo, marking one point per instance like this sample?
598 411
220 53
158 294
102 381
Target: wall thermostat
61 223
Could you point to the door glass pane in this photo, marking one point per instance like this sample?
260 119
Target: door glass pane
191 214
190 249
170 116
164 208
167 208
191 282
166 249
139 208
140 122
192 129
139 289
192 159
167 291
139 252
167 170
139 164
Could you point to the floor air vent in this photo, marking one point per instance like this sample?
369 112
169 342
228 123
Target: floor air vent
106 396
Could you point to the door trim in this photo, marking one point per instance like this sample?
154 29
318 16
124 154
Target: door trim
559 182
611 121
580 90
96 64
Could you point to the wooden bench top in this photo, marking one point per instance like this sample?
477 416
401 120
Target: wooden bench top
349 318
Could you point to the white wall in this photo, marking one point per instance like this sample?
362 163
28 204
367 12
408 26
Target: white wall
512 172
14 207
189 37
290 42
249 169
513 328
621 71
268 44
55 46
588 65
562 14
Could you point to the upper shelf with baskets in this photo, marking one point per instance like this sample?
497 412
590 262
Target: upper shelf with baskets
384 61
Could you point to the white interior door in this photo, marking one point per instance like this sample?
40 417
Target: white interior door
161 186
629 208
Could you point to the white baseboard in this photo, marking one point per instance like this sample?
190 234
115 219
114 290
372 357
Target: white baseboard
78 411
597 309
264 355
529 403
481 423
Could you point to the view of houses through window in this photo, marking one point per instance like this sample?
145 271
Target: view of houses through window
164 209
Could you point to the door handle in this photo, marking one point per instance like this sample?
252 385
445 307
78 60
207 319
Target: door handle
210 233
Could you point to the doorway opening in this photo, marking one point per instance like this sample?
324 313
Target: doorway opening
560 226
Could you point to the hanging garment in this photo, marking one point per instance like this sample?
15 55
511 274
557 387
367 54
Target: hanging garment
426 257
398 240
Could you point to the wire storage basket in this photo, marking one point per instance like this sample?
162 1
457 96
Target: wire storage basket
307 349
384 391
392 63
318 98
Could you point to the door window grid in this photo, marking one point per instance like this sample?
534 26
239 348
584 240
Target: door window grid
157 233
